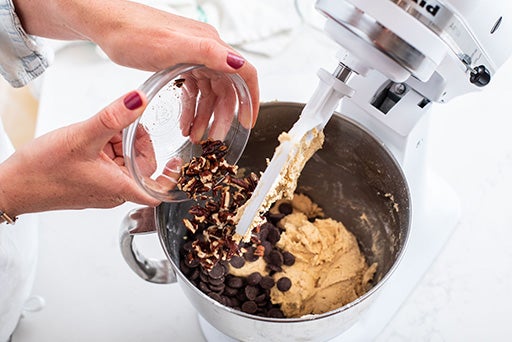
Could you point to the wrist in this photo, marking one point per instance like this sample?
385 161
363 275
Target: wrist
9 201
90 20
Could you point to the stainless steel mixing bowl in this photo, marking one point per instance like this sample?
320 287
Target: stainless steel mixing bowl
354 178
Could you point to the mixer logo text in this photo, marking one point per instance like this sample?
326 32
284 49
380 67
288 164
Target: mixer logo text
432 9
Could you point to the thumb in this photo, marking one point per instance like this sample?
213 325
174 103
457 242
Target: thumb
115 117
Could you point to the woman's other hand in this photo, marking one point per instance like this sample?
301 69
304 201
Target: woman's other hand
78 166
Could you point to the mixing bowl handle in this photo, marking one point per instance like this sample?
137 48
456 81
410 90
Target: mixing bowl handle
142 221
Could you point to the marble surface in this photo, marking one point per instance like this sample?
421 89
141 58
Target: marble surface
91 294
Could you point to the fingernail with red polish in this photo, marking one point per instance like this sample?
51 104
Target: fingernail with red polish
133 100
235 61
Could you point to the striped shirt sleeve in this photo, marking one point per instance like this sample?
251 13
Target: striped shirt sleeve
22 57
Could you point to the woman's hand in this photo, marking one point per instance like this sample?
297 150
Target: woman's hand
137 36
78 166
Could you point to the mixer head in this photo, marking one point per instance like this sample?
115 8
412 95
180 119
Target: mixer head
441 49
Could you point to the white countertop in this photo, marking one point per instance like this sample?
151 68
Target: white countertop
92 295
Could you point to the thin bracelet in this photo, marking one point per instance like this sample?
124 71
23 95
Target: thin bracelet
6 218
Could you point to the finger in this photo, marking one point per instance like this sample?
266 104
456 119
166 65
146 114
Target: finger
100 129
188 109
217 55
224 110
145 158
170 174
249 74
223 118
116 144
109 150
218 60
211 53
133 193
204 112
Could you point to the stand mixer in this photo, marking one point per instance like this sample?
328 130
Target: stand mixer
401 57
410 55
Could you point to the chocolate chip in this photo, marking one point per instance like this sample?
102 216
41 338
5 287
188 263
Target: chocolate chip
235 282
184 268
225 264
230 291
262 298
267 225
195 274
275 313
249 307
216 282
187 246
215 296
275 218
263 233
217 288
254 278
273 235
285 208
217 271
235 303
288 258
275 258
204 276
237 261
191 262
267 282
284 284
204 287
268 248
274 268
251 292
269 305
241 296
262 309
249 255
264 229
226 301
201 239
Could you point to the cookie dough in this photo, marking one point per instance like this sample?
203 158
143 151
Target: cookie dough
329 272
249 267
300 203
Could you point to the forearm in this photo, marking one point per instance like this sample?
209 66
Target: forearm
68 19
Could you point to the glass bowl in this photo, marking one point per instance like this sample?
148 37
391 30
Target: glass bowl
187 104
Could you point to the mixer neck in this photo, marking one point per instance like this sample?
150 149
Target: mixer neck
342 72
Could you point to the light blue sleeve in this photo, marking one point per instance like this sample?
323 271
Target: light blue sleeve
22 57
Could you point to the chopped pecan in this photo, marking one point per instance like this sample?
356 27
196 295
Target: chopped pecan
189 225
212 182
260 250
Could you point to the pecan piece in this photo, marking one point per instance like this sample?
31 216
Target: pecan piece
189 225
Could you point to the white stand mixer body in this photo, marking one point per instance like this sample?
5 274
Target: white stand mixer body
409 54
